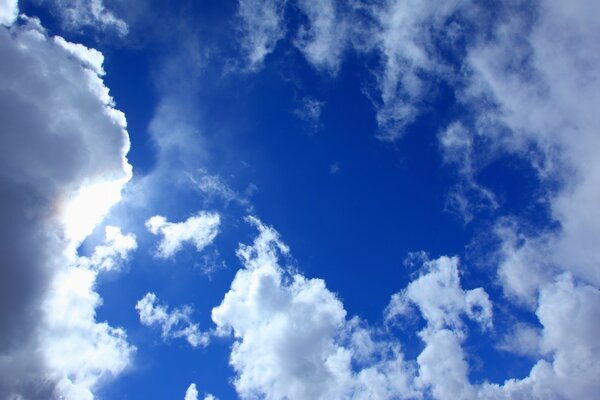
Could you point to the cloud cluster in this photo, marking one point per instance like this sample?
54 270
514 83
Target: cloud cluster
404 35
61 139
294 340
527 76
200 230
173 324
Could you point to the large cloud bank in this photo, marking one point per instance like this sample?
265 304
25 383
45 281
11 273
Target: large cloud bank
62 167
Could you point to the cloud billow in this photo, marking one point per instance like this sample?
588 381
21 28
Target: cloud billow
61 138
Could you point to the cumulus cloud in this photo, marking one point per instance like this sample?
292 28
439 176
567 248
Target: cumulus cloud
293 339
262 26
200 230
292 336
115 250
440 299
173 324
533 94
191 393
79 351
78 14
62 139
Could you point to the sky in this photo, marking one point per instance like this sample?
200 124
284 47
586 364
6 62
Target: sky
295 199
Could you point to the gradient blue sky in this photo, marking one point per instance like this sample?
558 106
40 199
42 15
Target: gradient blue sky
366 200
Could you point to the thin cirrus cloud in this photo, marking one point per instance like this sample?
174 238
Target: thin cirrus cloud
62 137
176 323
199 230
262 26
79 14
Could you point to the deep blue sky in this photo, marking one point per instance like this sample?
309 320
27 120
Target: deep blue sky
351 205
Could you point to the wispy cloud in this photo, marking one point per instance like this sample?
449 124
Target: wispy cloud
173 324
262 25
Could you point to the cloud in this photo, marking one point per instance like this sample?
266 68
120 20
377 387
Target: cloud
174 324
403 34
214 186
62 139
440 299
79 351
293 338
262 26
191 392
310 111
290 332
116 249
532 94
78 14
200 230
8 12
442 302
323 39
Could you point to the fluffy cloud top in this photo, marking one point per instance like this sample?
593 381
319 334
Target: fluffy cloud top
293 339
173 324
200 230
61 136
191 393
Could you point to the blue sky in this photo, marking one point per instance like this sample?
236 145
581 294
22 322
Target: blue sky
269 199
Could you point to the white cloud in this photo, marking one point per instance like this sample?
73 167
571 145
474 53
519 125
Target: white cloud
442 302
550 103
200 230
323 40
8 12
191 393
262 26
77 14
61 138
107 257
400 32
292 336
522 339
173 324
440 299
79 351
